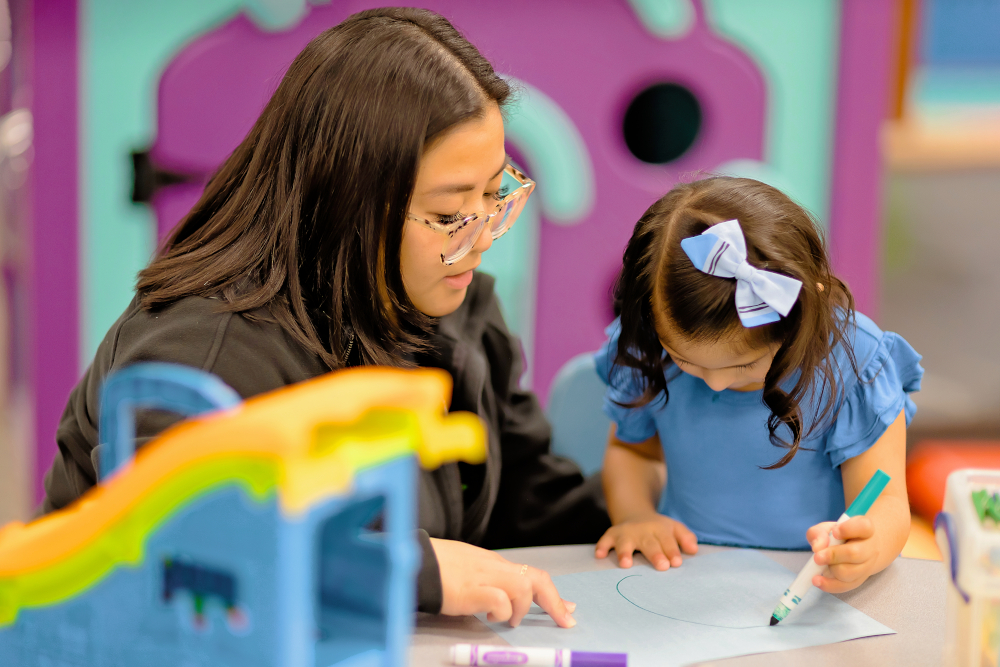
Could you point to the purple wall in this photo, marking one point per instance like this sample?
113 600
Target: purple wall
863 98
203 114
54 364
592 66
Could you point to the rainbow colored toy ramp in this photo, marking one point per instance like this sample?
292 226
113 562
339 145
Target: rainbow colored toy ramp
275 532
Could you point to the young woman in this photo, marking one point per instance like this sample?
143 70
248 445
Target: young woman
346 230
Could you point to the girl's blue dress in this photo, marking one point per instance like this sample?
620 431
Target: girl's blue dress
715 443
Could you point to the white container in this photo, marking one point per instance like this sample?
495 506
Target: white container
971 549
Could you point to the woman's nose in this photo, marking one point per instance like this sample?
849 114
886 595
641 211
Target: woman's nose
485 240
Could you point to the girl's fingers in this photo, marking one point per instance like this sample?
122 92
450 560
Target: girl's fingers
819 546
855 551
654 552
856 528
687 540
570 606
848 573
605 544
818 535
830 585
661 542
624 548
671 549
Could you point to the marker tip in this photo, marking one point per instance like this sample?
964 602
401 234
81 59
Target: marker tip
774 621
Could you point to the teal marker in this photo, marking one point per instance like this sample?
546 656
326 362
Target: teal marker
802 583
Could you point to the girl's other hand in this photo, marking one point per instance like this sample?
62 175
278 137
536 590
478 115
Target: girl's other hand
475 580
660 539
849 564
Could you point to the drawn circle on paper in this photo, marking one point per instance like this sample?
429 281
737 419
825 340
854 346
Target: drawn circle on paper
714 605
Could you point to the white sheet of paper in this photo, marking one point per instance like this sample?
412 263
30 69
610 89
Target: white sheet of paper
714 606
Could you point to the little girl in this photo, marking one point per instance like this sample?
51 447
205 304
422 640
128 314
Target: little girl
739 363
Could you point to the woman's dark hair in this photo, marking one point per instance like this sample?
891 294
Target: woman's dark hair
305 218
781 237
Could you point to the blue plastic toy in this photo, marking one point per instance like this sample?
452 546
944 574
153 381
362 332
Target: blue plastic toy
276 532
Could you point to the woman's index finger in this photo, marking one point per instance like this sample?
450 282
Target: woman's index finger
547 597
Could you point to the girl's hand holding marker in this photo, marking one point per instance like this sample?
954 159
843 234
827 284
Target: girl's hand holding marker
812 573
852 561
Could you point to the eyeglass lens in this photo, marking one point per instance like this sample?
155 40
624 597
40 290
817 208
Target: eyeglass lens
462 242
500 221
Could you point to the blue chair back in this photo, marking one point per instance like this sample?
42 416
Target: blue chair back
579 426
153 385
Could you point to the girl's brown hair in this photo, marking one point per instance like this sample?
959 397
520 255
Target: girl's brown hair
305 218
781 237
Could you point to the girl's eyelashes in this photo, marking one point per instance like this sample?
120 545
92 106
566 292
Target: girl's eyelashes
744 367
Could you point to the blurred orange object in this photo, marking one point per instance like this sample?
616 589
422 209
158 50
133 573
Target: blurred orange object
932 461
920 543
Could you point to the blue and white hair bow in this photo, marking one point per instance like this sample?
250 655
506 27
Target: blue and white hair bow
762 296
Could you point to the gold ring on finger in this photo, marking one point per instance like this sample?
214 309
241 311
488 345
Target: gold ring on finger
524 568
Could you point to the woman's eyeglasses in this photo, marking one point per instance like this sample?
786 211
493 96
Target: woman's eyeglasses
463 232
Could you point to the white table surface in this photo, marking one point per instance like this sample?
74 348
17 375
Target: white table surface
908 596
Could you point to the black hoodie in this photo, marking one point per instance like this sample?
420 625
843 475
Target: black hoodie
522 496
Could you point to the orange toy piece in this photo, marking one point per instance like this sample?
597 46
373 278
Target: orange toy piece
932 461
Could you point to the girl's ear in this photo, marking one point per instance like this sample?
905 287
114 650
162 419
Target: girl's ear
820 287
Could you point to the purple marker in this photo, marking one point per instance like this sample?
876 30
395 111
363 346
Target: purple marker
472 654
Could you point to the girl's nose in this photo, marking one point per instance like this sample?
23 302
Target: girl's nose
716 381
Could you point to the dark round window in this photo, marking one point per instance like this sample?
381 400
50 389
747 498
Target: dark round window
661 123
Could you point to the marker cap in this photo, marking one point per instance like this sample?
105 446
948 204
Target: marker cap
461 654
588 659
872 489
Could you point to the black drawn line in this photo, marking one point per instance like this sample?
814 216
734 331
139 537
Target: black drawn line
674 618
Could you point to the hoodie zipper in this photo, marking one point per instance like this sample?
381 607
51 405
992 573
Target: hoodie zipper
350 346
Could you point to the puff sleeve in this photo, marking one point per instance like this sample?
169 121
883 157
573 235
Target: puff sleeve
633 425
873 400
